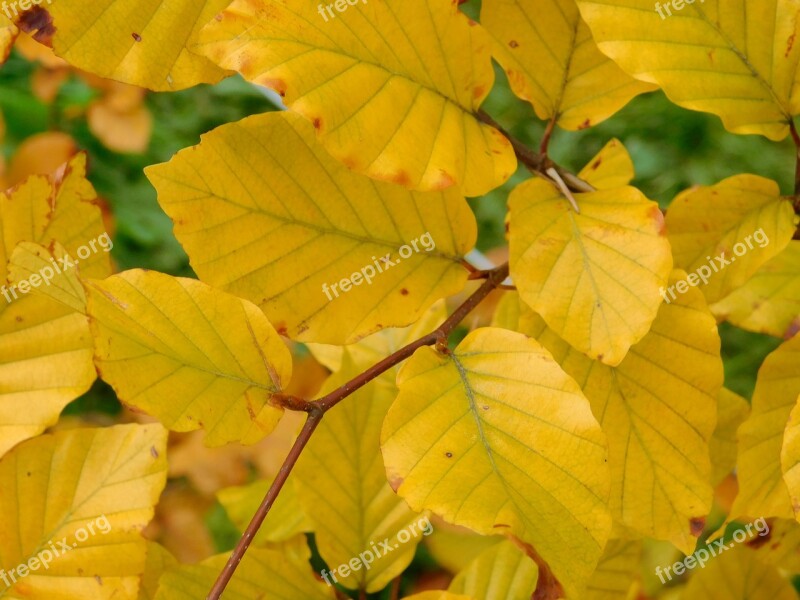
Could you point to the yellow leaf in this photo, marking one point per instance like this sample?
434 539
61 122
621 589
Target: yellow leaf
770 301
45 347
552 62
276 220
283 573
734 58
188 354
379 345
285 519
658 409
502 571
762 491
497 438
392 87
732 411
611 168
595 276
340 473
781 546
29 260
437 595
790 457
141 42
158 561
453 547
722 234
736 576
617 572
8 33
74 505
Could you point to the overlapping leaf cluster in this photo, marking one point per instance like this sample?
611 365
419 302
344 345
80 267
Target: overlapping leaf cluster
591 414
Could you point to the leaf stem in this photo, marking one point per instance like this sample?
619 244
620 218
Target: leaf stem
537 162
317 409
796 203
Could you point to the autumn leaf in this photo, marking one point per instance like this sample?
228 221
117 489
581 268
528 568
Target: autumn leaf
732 411
552 62
286 519
722 234
734 58
144 43
45 347
282 573
770 301
502 571
215 357
377 346
29 260
412 73
762 490
595 276
75 503
658 409
736 576
617 572
496 437
284 225
158 560
341 473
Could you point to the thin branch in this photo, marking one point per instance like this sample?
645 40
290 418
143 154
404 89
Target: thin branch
317 409
394 594
548 132
796 203
537 162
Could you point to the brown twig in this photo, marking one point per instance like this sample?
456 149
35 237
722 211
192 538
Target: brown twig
537 162
548 132
796 203
316 410
394 594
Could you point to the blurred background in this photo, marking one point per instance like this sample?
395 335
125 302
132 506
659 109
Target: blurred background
49 111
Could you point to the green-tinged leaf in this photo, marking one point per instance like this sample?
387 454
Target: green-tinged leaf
45 347
595 276
340 475
285 520
75 504
158 561
496 437
770 301
188 354
762 490
737 576
658 409
502 571
276 220
283 573
732 411
722 234
616 575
